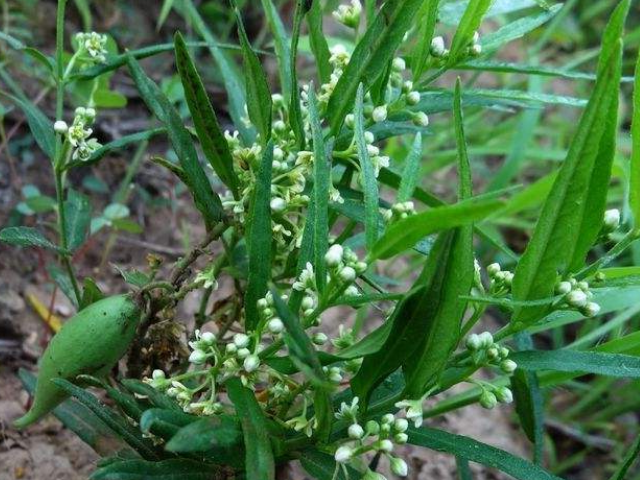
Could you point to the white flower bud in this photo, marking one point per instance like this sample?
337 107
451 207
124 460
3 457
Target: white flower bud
508 366
398 64
369 137
350 120
347 274
401 425
420 119
399 467
400 438
493 269
197 357
241 340
319 338
437 47
386 446
486 339
90 113
158 375
208 337
251 363
503 395
591 309
379 114
60 127
262 303
307 303
275 325
343 454
612 219
372 427
563 288
243 353
473 342
333 257
351 291
387 419
231 348
488 400
355 431
576 298
413 98
476 37
278 204
81 111
475 50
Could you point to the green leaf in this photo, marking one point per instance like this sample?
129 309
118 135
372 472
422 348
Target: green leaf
62 280
167 5
411 171
428 16
464 168
205 199
634 169
469 24
173 469
528 400
517 29
210 135
305 357
405 233
474 451
115 422
41 127
81 421
464 470
163 422
259 237
258 94
77 219
220 437
608 364
321 182
323 466
318 41
370 184
157 398
27 237
281 45
231 78
630 457
572 214
371 55
295 113
91 293
259 464
126 403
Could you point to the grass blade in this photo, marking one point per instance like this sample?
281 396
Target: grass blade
295 113
259 237
205 199
259 464
630 457
258 94
281 45
370 184
608 364
572 214
634 169
214 145
318 42
428 16
321 181
371 55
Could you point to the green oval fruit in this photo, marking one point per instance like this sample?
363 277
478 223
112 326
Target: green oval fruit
89 343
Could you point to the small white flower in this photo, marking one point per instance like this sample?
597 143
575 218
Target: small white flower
508 366
493 269
343 454
612 219
473 342
400 425
61 127
275 325
399 467
369 137
398 64
333 257
198 357
278 204
591 309
241 340
576 298
413 98
352 291
243 353
413 411
385 446
158 375
475 50
486 339
563 288
347 274
379 114
350 120
208 338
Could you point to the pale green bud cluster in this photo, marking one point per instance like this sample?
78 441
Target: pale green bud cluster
500 280
399 211
94 44
374 437
492 395
484 351
348 15
577 296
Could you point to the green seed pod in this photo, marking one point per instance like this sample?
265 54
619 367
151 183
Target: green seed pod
90 343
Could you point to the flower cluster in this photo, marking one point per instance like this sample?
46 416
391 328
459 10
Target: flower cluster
500 279
349 15
79 133
399 211
378 437
484 351
439 50
94 44
577 296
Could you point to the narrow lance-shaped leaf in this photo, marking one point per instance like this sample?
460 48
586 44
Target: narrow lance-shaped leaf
451 279
205 199
259 464
371 55
321 180
41 127
572 214
281 45
317 39
258 94
77 218
370 184
259 240
428 16
175 468
629 458
609 364
634 170
295 114
214 145
411 171
27 237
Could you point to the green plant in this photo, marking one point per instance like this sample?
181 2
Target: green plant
312 208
